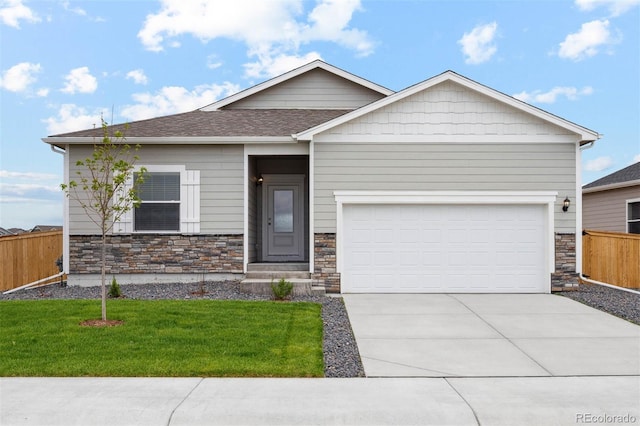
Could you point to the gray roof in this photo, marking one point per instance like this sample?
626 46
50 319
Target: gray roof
233 122
627 174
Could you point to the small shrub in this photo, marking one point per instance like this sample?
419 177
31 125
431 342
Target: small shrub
114 289
282 290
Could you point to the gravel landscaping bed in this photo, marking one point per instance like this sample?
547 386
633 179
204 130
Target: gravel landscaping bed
341 356
620 303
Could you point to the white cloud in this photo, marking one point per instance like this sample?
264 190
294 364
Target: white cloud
70 118
29 198
271 65
80 80
636 159
6 174
76 10
478 45
173 99
330 22
616 7
138 76
213 62
537 96
30 190
588 41
270 29
19 77
598 164
13 11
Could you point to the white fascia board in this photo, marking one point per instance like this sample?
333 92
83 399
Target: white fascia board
276 149
451 139
294 73
585 134
611 186
193 140
445 197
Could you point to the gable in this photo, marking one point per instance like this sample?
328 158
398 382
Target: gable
451 108
315 89
448 111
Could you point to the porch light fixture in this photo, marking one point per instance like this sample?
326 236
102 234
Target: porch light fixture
565 204
259 180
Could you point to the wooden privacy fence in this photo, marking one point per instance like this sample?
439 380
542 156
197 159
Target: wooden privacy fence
28 257
612 258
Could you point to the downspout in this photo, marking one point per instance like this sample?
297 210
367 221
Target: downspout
65 214
582 277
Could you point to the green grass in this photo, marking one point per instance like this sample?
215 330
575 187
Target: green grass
199 338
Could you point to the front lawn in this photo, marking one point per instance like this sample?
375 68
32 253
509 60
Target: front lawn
197 338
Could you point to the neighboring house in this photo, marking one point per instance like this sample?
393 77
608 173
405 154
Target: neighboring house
46 228
612 203
445 186
5 232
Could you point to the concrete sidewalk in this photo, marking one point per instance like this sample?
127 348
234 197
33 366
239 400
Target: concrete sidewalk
383 401
489 335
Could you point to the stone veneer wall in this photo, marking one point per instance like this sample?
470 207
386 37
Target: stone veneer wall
565 277
153 253
325 262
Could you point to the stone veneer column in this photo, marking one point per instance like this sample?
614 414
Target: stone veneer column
565 277
325 262
152 253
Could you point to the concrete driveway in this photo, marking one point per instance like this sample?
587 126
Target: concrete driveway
489 335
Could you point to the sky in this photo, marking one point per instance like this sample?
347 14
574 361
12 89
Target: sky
64 64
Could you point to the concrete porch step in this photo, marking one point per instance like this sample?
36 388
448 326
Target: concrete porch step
293 266
276 275
301 287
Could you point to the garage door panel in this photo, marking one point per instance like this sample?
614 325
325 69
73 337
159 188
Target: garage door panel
436 248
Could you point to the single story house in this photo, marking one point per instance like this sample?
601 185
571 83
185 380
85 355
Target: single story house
612 203
445 186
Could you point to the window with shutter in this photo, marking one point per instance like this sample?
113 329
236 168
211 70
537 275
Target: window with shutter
170 202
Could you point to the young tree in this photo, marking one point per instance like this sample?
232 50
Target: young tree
101 188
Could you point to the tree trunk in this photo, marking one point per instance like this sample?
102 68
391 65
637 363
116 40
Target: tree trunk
103 273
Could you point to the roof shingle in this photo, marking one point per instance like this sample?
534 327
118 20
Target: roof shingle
236 122
627 174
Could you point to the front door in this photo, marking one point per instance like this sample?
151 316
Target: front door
283 218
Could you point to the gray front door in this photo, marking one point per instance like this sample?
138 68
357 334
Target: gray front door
283 218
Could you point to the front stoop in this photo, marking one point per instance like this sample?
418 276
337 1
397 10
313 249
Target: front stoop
260 276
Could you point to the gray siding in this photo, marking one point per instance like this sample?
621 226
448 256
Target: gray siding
317 89
607 210
442 167
445 110
221 183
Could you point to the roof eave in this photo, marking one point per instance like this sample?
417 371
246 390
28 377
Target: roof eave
609 187
175 140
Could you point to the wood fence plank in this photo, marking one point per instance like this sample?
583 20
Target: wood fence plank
612 258
28 257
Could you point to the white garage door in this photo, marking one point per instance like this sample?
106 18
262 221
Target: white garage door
444 248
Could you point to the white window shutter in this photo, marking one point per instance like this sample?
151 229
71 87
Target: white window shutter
190 202
125 224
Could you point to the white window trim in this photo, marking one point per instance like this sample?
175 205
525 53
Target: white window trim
627 202
546 198
189 201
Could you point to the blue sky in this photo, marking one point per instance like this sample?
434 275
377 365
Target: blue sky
64 63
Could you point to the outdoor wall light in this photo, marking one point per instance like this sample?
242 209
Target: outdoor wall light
565 204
